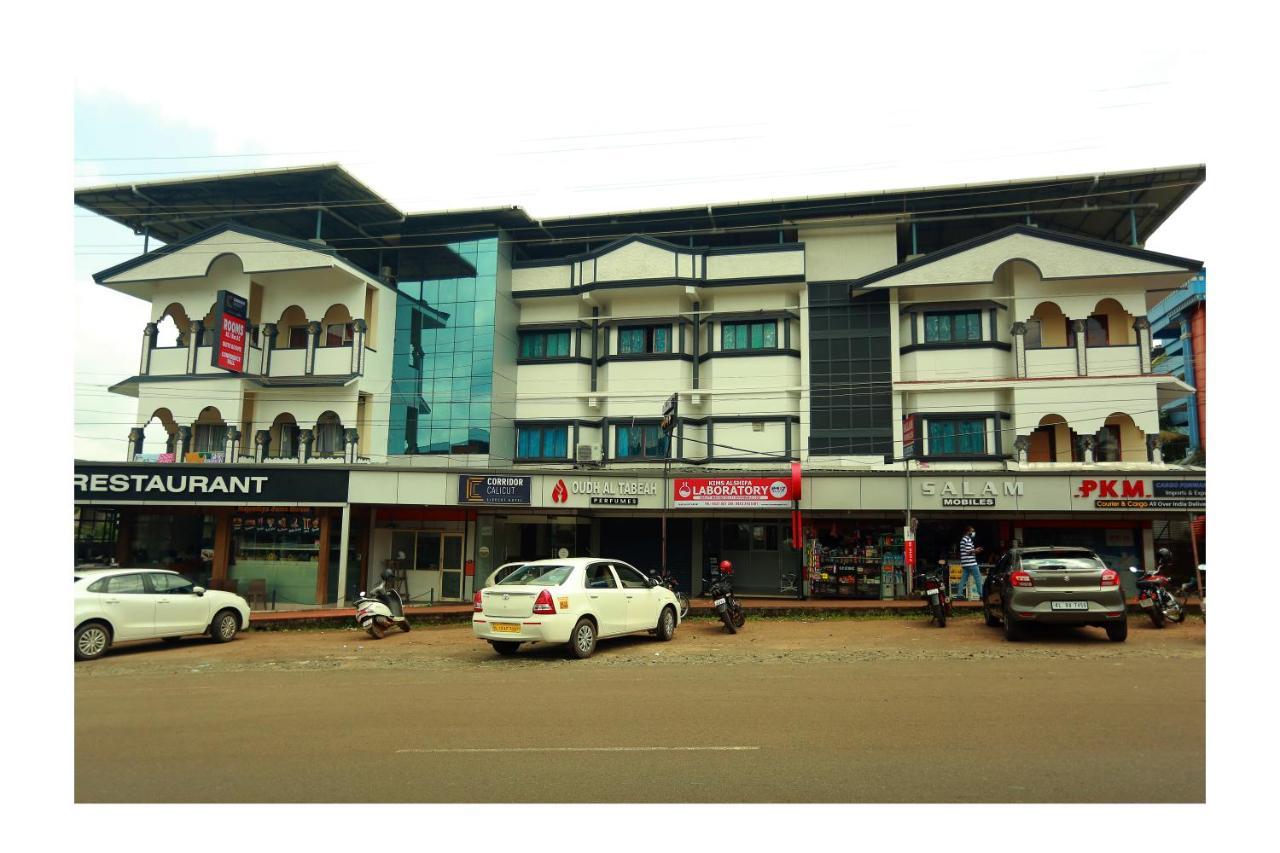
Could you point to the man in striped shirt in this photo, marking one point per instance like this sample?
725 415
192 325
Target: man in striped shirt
969 564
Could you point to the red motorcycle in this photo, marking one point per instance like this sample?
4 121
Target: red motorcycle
1155 598
935 588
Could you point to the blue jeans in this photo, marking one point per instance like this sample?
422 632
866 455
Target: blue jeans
964 581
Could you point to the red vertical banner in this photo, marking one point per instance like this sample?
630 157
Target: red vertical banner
797 524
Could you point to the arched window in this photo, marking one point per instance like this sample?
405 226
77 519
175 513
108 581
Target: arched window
328 438
160 433
1120 440
284 437
1053 441
1047 327
291 331
209 432
172 327
1117 323
338 327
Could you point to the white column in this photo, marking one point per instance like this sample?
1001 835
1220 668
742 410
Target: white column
313 340
1143 327
1148 548
1082 355
357 345
1019 350
343 537
193 342
148 344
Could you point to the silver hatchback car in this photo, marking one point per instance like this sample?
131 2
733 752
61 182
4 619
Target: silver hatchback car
1059 586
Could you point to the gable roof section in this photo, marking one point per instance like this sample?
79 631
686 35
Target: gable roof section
966 263
324 256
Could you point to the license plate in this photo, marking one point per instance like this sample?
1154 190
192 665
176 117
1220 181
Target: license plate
1144 602
506 627
719 601
1068 605
933 593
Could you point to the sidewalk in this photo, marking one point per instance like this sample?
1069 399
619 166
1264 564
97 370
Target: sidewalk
698 606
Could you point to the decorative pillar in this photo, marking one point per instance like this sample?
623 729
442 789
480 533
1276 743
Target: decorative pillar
268 344
1087 443
305 437
135 444
357 346
184 442
1020 445
193 342
233 445
1142 326
1153 449
352 437
1019 331
313 340
148 344
1082 357
261 443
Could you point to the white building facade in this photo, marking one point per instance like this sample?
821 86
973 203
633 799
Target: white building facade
1005 356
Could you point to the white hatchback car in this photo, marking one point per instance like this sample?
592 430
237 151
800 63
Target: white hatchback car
574 601
116 605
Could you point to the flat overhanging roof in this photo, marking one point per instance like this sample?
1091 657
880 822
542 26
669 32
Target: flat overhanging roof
357 221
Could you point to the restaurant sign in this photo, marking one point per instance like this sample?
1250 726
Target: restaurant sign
734 492
221 484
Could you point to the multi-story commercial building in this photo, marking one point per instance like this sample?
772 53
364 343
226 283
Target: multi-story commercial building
447 391
1178 325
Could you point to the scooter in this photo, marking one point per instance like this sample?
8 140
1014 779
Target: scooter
720 589
380 610
1155 598
935 589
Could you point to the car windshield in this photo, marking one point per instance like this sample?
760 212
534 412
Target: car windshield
1061 562
537 575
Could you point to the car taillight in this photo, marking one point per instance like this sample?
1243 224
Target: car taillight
1021 578
544 604
1110 577
479 605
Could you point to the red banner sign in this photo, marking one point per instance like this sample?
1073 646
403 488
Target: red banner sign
228 344
733 491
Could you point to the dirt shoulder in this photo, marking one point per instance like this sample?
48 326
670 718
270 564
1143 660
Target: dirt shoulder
698 641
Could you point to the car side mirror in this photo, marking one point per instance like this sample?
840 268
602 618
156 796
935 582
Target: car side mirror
198 590
653 582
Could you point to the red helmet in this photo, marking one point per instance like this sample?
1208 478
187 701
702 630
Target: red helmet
726 567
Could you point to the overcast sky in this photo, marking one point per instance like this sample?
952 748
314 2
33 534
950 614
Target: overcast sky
610 111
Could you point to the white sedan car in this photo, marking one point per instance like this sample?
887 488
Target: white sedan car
116 605
574 601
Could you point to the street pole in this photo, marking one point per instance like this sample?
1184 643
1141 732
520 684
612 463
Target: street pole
1195 557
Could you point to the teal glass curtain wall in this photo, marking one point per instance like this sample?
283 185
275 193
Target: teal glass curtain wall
442 378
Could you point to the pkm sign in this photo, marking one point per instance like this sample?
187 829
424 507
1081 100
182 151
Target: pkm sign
1112 489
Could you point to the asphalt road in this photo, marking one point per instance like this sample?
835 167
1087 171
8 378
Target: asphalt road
848 711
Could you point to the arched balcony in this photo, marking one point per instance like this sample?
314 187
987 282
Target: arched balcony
209 432
1108 341
338 329
1053 441
329 437
284 437
1120 440
291 331
155 438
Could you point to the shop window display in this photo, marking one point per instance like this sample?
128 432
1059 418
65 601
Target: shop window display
181 542
275 556
855 559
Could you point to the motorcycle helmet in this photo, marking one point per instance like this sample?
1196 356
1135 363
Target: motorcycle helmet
726 568
1164 555
387 574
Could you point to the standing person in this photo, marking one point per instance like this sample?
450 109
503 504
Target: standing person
969 564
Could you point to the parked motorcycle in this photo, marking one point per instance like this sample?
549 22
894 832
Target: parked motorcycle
720 588
381 609
935 589
1156 599
669 581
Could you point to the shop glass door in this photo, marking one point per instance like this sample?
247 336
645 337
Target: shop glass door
451 566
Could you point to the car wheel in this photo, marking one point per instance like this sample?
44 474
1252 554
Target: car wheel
224 626
92 640
582 642
987 615
667 624
1013 631
504 647
1117 632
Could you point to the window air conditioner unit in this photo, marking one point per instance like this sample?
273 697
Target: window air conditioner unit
587 453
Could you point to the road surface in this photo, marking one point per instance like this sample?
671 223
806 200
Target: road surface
848 711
